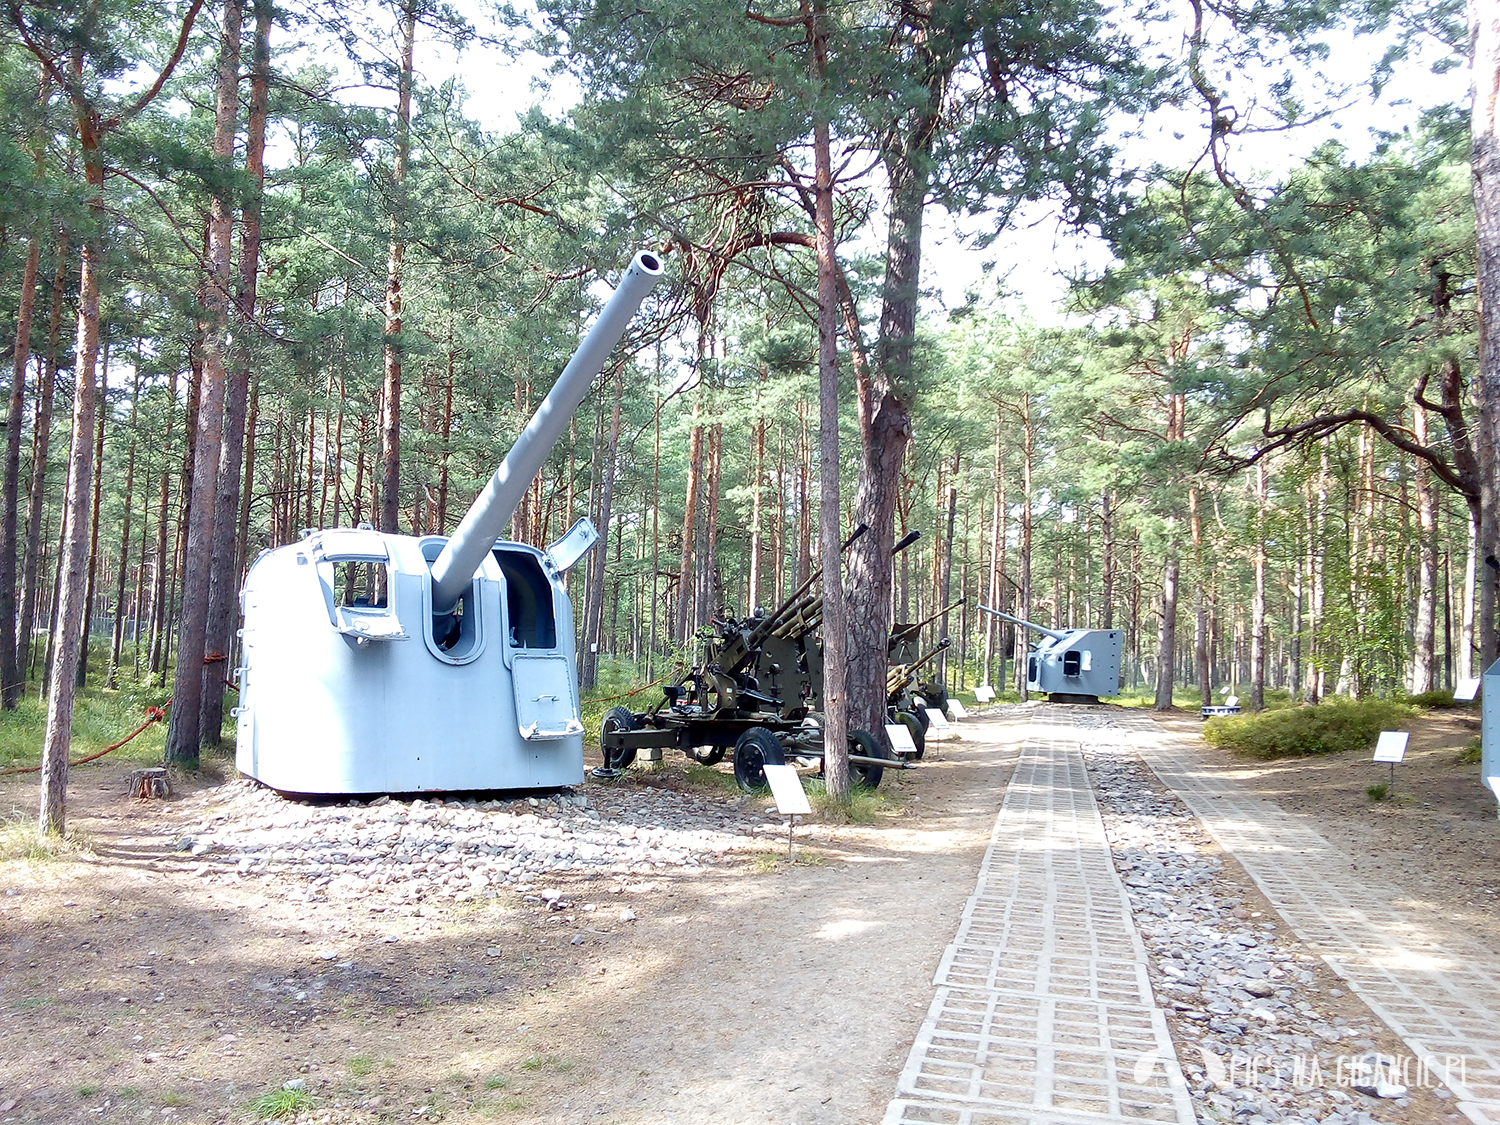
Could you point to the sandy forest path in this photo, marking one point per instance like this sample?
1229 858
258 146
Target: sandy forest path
132 988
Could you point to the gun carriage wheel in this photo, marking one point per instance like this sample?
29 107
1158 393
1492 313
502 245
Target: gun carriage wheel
618 719
707 755
756 749
865 745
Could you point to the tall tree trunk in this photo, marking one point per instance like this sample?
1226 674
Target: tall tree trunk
837 718
184 729
117 640
945 580
88 597
594 602
1023 595
10 676
41 440
1424 621
885 418
224 573
1484 59
1107 565
72 566
1200 632
1317 520
390 425
1258 599
159 563
682 630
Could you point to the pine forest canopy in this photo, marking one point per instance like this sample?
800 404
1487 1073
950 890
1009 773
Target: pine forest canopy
250 291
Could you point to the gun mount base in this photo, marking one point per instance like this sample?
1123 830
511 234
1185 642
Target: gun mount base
1070 697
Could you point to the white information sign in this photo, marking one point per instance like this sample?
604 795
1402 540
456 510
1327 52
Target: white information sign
937 718
900 738
958 709
1494 784
984 693
1391 747
786 787
1467 690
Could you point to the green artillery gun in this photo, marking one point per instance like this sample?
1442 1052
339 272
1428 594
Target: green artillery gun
757 691
904 703
903 647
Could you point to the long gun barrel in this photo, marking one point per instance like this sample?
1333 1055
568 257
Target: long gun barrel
898 675
1053 633
897 638
486 518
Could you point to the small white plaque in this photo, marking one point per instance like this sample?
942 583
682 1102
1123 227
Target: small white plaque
984 693
937 718
900 738
1494 784
1466 691
958 709
1391 747
786 787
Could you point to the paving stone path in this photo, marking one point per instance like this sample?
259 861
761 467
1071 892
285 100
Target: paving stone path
1043 1013
1437 989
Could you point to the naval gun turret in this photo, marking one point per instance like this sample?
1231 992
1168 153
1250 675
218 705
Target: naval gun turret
1071 665
378 663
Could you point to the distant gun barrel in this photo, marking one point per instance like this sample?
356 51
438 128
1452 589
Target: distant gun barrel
910 630
486 518
899 674
1053 633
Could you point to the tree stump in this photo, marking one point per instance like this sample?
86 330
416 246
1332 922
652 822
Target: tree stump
148 783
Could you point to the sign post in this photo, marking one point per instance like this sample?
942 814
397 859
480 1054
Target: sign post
791 800
1391 747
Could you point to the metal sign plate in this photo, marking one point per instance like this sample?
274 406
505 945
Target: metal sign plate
1391 747
900 738
786 787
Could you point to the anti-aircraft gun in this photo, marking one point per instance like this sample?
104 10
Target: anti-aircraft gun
903 646
904 703
378 663
757 691
1071 665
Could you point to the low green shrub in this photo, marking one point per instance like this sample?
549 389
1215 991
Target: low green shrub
1379 791
1440 698
1328 728
1473 752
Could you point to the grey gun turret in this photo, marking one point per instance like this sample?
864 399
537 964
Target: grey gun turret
377 663
1071 665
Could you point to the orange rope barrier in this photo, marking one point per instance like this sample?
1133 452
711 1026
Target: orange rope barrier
153 715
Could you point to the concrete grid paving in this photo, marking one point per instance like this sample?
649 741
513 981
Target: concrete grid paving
1435 988
1043 1014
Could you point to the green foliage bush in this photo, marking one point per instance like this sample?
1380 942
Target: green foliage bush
1442 698
1328 728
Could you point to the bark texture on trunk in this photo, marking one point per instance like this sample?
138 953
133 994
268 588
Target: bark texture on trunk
830 514
1484 58
224 579
10 677
390 421
72 568
184 730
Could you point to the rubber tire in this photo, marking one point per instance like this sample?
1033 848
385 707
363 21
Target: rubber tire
707 755
919 709
863 743
756 749
918 733
617 718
